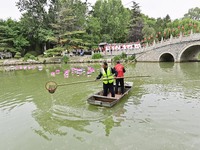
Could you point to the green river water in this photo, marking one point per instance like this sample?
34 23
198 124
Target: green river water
160 113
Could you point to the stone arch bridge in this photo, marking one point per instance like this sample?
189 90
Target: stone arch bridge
181 49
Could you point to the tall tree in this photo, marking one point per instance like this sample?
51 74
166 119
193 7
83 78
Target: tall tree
193 13
68 27
136 24
11 36
113 19
36 18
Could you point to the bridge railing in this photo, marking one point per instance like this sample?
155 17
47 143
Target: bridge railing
162 43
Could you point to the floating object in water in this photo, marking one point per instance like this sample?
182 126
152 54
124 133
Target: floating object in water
66 74
79 71
57 71
25 67
108 101
89 73
40 68
16 67
92 70
29 67
12 68
53 74
33 67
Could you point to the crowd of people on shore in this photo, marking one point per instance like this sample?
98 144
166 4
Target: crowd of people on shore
119 46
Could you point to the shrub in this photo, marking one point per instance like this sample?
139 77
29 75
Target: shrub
96 56
34 53
18 55
123 55
48 55
65 59
132 57
29 56
57 51
116 58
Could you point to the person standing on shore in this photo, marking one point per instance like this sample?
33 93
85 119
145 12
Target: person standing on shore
120 74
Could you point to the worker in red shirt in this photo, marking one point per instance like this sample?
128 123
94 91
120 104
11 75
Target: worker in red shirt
120 74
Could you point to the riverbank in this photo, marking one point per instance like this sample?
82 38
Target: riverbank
52 60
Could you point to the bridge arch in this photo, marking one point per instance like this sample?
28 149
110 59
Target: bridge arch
166 57
190 53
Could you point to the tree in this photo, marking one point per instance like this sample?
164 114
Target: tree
6 39
35 20
50 23
151 22
93 29
68 27
113 19
148 32
193 13
11 36
136 24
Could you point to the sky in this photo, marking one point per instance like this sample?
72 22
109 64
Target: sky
153 8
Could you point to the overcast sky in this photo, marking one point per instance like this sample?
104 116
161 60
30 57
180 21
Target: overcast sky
152 8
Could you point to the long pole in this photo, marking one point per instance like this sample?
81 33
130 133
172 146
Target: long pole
51 86
79 82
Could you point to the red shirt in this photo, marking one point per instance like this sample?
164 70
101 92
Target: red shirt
120 70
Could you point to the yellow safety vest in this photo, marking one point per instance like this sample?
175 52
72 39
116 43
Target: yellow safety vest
107 76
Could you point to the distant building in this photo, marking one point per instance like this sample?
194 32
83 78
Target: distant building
105 47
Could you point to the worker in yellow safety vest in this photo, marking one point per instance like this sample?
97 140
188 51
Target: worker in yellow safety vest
108 74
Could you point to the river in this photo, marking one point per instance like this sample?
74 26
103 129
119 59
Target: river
160 113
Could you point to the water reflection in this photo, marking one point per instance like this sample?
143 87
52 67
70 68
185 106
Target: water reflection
53 124
116 116
167 67
67 109
190 70
159 102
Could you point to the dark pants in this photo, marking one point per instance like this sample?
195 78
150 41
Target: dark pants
121 81
109 86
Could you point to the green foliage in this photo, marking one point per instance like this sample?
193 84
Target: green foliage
97 56
112 21
123 56
68 28
17 55
131 58
148 31
68 24
193 13
29 56
11 36
136 24
65 59
57 51
116 58
34 53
